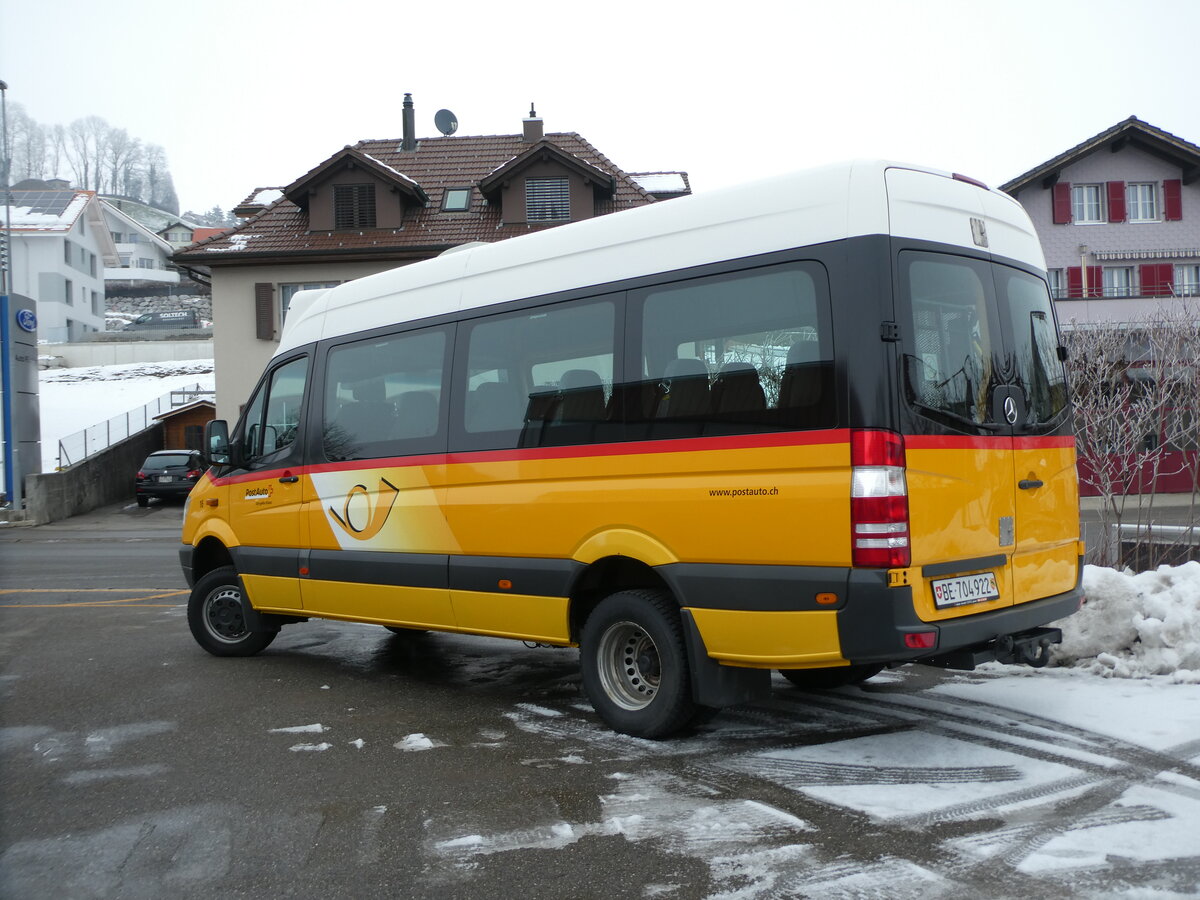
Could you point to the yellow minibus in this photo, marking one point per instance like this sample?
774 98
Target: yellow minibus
816 424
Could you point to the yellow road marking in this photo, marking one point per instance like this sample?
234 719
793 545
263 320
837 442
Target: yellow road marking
156 594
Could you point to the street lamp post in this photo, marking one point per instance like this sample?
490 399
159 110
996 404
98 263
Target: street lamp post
12 490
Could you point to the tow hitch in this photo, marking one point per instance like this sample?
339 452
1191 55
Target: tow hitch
1030 648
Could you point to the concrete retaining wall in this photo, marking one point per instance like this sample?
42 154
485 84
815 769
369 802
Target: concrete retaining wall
111 353
101 479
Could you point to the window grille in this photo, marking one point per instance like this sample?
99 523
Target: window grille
353 206
547 199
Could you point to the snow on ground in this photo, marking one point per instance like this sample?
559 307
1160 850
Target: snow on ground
75 399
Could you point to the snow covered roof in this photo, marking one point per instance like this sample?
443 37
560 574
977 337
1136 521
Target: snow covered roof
663 182
50 212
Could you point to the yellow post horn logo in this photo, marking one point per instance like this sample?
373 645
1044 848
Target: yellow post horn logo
379 510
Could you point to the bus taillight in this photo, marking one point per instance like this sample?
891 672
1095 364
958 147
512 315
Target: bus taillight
878 500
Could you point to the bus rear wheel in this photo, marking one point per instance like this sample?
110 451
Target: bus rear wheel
217 619
635 668
836 676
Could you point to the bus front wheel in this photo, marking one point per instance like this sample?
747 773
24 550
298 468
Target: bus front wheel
634 663
217 618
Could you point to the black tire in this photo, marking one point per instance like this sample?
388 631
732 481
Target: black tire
635 667
216 618
837 676
143 501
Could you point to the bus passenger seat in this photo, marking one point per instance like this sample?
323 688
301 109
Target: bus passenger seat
369 417
737 389
494 406
582 397
683 391
801 386
416 415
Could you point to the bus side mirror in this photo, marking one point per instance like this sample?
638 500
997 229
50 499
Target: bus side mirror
217 449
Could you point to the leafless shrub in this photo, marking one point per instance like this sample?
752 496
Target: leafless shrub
1136 389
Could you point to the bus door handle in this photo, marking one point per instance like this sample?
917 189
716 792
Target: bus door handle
1029 484
289 478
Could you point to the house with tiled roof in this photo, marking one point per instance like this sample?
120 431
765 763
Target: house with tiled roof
60 248
383 203
1118 216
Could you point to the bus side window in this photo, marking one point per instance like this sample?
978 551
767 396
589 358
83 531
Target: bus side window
738 353
272 419
383 396
542 377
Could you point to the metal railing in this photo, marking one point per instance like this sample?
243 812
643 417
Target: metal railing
79 446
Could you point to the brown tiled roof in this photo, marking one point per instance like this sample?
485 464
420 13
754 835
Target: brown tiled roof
1156 141
438 163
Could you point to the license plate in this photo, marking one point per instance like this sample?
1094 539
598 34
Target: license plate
965 589
165 478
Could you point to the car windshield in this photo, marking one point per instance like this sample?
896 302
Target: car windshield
167 461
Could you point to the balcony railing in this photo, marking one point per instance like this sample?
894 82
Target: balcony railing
1125 293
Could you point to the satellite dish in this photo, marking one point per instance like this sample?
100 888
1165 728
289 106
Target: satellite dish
446 122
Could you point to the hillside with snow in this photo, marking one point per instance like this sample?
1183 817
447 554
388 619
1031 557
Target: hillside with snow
73 400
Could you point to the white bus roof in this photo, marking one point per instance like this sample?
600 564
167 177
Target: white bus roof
815 206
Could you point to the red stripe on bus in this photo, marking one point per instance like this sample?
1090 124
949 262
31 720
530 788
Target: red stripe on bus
577 451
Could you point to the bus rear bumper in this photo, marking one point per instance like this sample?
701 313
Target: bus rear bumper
879 626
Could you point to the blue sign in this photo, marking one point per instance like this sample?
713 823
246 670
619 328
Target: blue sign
27 320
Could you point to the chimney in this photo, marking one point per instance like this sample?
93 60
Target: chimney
532 127
409 142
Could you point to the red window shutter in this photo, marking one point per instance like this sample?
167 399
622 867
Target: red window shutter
1095 281
1116 201
264 311
1074 282
1158 279
1062 203
1173 200
1166 279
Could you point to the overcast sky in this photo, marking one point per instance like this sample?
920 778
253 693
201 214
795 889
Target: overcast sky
257 92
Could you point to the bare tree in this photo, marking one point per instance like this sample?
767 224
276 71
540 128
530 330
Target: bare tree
97 155
1136 387
122 151
56 151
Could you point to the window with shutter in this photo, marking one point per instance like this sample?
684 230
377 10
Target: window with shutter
547 199
1187 281
1143 202
353 206
264 311
1116 201
1173 200
1087 203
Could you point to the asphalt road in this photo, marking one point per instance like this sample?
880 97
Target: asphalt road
345 761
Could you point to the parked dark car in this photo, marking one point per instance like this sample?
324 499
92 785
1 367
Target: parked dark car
168 473
165 321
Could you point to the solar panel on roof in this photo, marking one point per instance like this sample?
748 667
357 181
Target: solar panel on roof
51 203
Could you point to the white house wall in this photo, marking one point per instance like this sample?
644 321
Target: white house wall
40 272
240 356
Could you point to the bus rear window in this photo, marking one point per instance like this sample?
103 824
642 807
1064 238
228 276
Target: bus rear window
950 360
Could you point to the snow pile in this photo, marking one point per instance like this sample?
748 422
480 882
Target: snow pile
1136 625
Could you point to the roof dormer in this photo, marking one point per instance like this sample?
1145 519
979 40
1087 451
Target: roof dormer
353 190
545 185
